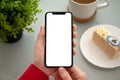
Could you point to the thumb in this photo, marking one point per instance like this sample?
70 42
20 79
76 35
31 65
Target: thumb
40 39
64 74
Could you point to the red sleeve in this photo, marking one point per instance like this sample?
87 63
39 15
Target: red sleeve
33 73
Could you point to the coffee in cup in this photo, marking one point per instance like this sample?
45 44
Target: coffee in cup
84 1
85 10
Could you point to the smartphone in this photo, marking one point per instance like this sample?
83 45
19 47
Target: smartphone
58 39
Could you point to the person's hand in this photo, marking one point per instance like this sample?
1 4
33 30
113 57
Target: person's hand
72 73
39 51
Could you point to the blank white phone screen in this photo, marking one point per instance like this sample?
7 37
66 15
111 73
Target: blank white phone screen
58 40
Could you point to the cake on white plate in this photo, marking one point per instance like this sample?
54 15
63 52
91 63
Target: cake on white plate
108 43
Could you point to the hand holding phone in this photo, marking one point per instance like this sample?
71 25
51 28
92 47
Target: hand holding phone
39 51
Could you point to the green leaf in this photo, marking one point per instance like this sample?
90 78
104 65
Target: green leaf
16 15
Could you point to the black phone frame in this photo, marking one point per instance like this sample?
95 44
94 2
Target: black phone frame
59 13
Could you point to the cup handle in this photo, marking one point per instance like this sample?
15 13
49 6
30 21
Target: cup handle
104 3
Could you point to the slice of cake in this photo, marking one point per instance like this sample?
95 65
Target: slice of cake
108 43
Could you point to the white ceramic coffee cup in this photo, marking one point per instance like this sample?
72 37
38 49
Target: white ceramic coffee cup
85 12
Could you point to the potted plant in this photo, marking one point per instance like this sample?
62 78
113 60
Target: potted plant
16 16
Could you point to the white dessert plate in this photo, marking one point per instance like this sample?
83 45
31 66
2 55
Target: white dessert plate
93 53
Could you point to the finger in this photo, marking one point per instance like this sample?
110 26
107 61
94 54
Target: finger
74 44
76 73
56 75
74 51
74 34
64 74
74 27
40 39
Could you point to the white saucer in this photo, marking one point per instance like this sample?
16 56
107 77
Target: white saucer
93 53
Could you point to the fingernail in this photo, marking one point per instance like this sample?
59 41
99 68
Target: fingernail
41 26
61 69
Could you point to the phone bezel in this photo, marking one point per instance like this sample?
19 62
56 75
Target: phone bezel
59 13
